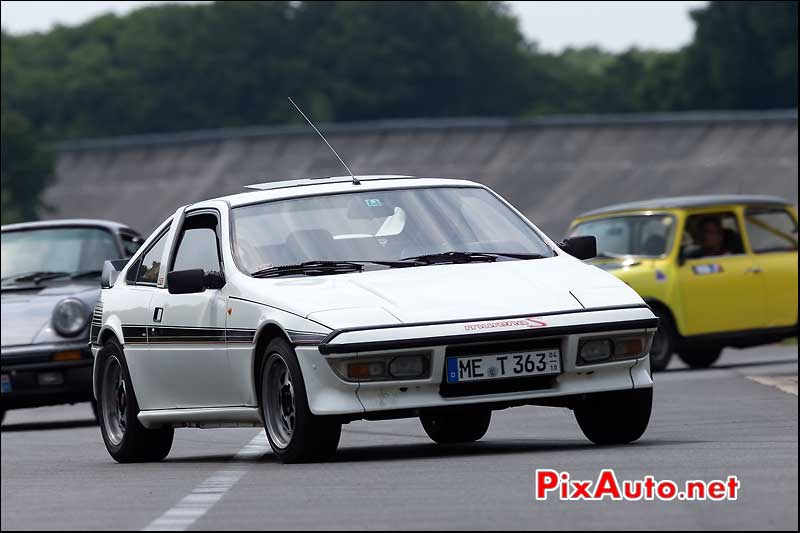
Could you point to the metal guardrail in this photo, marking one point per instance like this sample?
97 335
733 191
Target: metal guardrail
423 124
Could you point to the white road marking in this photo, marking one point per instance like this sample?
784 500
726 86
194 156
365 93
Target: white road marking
203 497
787 384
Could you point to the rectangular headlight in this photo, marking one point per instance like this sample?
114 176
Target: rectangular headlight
382 367
408 366
595 350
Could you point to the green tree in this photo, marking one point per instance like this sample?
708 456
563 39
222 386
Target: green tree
25 169
744 56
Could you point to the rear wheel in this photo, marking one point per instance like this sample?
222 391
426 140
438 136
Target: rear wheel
663 342
294 433
700 356
617 417
467 426
126 439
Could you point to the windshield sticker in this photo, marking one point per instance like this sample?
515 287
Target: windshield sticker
374 202
704 270
529 322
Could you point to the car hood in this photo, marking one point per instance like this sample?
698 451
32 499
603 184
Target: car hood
25 311
450 292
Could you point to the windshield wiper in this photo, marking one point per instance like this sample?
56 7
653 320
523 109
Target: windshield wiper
469 257
318 268
86 274
309 268
35 276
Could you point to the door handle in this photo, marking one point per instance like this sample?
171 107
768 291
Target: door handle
158 313
753 270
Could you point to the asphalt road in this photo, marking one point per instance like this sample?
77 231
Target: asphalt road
738 418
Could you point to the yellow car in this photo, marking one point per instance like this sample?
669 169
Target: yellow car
718 270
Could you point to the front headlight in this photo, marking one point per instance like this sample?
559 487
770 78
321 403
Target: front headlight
70 317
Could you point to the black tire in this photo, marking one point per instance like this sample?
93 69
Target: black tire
664 341
617 417
295 434
700 355
467 426
126 439
95 411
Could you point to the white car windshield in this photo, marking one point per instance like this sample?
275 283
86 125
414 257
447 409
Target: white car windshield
638 235
381 225
56 250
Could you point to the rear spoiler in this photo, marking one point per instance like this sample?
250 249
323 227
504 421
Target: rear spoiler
111 270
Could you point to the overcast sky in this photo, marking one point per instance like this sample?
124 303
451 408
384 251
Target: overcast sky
614 26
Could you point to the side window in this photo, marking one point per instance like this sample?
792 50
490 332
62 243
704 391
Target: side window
771 230
130 243
133 272
712 234
197 247
151 262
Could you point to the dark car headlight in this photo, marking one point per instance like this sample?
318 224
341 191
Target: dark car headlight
70 317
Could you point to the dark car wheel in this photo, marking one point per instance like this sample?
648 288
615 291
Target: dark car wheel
617 417
467 426
294 433
95 412
700 356
126 439
663 342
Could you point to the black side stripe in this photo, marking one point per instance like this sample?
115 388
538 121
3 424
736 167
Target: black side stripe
134 334
186 335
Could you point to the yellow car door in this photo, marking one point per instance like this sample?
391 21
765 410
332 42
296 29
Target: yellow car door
721 289
772 238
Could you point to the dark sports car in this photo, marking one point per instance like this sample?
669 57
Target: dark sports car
50 283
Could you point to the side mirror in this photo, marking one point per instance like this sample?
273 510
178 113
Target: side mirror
584 247
110 273
193 281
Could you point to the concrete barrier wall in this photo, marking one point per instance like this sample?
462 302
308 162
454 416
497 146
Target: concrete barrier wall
552 169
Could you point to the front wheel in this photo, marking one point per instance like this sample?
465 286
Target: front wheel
294 433
126 439
700 356
468 426
664 342
617 417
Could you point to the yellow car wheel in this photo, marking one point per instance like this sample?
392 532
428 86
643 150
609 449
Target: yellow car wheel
700 355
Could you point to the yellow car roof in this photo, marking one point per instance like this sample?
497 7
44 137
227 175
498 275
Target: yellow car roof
681 202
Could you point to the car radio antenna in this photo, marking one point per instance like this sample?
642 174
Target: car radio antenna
355 180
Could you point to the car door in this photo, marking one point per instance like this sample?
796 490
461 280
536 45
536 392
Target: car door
721 290
132 305
187 331
772 238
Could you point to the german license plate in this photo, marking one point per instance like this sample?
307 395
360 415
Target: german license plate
5 384
503 365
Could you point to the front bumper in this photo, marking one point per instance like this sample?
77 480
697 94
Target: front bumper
32 379
328 394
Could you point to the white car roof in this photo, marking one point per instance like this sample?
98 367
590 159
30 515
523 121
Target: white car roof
330 185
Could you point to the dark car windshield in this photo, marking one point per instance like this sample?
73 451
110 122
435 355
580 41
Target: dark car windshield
381 225
56 250
639 235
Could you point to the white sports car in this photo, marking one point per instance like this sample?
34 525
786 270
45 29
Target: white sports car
305 305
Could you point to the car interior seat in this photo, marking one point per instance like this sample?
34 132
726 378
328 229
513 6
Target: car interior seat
311 245
654 245
732 241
